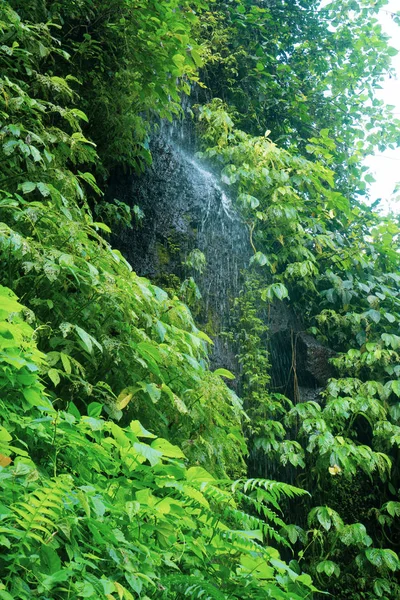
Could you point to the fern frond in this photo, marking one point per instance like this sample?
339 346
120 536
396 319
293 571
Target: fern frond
275 488
37 517
261 508
194 494
252 522
274 535
244 540
230 513
242 518
217 494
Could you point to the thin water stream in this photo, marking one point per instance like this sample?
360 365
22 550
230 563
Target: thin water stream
185 208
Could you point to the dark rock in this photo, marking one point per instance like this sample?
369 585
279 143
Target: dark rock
185 207
300 364
313 359
310 394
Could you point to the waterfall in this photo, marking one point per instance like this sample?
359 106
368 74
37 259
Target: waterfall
186 207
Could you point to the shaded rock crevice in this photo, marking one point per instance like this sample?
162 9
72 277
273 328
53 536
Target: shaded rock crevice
300 365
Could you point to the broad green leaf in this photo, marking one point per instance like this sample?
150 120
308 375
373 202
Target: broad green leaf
33 396
205 337
102 226
50 561
66 363
51 580
138 429
198 474
88 340
27 187
179 60
149 350
149 453
328 567
167 448
124 398
224 373
275 290
153 390
259 258
94 409
396 387
8 301
54 375
196 57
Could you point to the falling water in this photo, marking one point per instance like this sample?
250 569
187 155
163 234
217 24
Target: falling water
186 207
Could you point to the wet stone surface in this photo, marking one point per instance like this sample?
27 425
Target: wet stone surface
185 208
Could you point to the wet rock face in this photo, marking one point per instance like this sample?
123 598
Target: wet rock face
185 208
281 318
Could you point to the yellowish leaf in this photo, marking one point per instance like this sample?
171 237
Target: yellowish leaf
123 399
4 460
120 589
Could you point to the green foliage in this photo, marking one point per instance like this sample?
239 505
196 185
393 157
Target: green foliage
90 509
110 336
130 61
306 75
338 264
196 261
106 397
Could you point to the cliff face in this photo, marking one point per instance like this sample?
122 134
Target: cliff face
186 208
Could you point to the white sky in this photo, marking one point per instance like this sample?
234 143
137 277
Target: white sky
386 166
